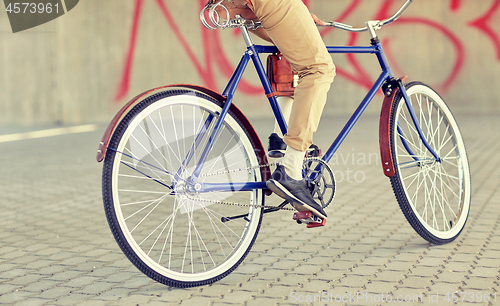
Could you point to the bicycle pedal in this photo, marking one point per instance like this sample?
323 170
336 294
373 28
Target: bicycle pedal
313 151
308 218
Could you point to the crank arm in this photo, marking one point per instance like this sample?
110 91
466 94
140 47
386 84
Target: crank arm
267 210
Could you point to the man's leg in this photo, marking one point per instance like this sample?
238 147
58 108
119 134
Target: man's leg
290 26
292 29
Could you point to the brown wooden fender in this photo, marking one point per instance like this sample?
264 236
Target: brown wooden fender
261 153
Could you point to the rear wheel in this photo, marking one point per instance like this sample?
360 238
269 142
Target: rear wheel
433 195
170 232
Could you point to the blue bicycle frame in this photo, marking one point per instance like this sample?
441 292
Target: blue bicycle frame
252 53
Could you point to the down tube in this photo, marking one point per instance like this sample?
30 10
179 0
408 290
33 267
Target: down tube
354 118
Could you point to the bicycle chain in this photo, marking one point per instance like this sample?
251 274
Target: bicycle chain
240 204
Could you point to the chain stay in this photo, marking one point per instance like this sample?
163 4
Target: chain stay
239 170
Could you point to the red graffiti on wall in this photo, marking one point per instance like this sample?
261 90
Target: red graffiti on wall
483 24
215 56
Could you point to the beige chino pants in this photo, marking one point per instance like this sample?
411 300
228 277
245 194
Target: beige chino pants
293 31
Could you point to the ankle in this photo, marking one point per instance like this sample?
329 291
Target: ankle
292 162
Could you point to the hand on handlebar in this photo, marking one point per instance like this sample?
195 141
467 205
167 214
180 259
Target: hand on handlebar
317 20
236 7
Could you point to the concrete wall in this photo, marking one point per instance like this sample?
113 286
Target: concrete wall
84 65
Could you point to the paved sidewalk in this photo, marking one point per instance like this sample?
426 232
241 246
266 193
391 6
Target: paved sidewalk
56 247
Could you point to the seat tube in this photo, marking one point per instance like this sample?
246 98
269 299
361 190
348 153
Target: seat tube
229 94
261 72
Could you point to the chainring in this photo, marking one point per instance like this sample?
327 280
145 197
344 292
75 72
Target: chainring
320 180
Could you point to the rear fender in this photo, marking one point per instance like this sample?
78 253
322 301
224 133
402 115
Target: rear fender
261 153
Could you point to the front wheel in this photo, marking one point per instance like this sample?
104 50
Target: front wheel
169 231
434 195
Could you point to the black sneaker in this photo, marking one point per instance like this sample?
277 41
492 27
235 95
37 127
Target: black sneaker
295 192
276 147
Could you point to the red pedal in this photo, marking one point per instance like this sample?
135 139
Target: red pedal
302 215
316 224
308 218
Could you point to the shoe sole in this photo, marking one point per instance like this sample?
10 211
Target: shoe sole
276 153
281 153
281 191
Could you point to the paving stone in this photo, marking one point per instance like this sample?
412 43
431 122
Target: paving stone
41 285
65 275
253 286
374 261
415 282
80 282
50 270
389 275
420 270
353 281
458 266
92 302
136 282
284 264
25 280
487 272
443 288
71 299
14 273
317 285
365 270
376 286
133 300
276 291
292 280
450 276
15 297
95 288
114 277
478 283
259 301
55 293
237 297
32 302
488 262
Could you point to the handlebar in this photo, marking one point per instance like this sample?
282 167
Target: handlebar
375 24
215 20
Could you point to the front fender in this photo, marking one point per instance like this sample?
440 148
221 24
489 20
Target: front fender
261 153
390 89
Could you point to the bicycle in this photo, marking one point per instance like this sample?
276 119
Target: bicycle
184 171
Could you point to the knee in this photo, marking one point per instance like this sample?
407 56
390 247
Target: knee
325 71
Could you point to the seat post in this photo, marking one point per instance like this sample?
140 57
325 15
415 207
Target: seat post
244 31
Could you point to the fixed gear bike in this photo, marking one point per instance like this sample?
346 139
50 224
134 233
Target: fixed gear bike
184 175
